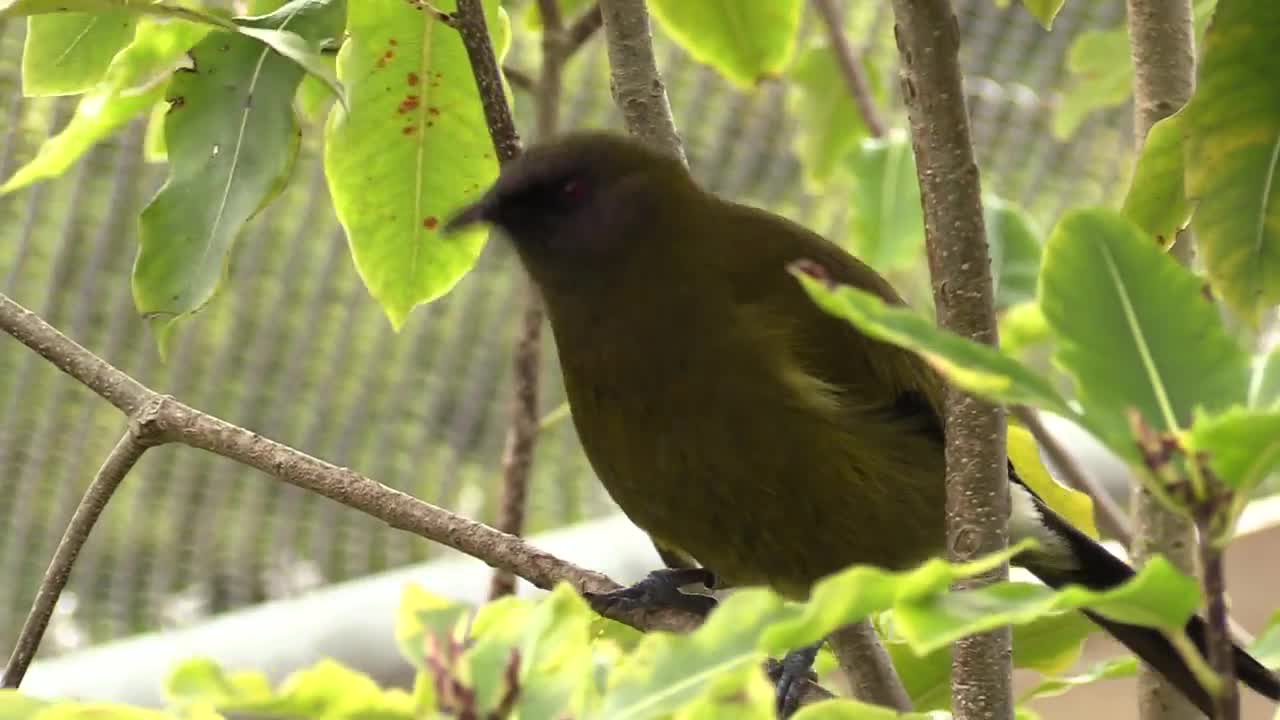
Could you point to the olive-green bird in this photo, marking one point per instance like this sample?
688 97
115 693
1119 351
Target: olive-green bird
726 414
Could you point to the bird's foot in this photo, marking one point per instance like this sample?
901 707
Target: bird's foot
788 675
660 590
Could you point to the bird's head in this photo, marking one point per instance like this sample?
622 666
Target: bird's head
582 202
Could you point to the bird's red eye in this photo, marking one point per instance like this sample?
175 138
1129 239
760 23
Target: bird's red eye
573 190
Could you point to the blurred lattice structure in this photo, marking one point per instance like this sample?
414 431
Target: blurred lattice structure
295 349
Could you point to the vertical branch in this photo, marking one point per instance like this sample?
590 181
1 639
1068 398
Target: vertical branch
522 432
118 464
928 37
471 26
634 78
1221 649
1162 42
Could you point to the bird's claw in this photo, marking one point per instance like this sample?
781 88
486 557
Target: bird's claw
660 590
788 675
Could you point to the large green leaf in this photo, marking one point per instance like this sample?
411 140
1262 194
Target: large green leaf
973 366
68 53
1243 446
667 671
1233 154
410 151
1107 670
232 139
887 225
287 43
132 85
1014 244
830 126
745 40
1157 197
1134 329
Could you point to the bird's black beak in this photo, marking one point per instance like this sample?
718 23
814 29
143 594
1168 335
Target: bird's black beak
480 211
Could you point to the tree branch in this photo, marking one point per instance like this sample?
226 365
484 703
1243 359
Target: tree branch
928 36
118 464
868 666
582 29
471 26
850 67
636 83
167 420
1162 43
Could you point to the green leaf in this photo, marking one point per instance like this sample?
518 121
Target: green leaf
173 10
1133 329
857 592
1048 644
1022 327
1233 155
557 666
739 694
132 85
1074 506
887 226
411 150
842 709
1243 445
973 366
1160 596
424 615
201 680
154 149
667 671
1157 198
1108 670
1267 647
745 40
232 140
1100 76
1014 244
68 53
16 706
1264 388
1044 11
830 125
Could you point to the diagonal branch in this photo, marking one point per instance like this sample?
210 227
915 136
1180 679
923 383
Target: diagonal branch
166 420
118 464
850 69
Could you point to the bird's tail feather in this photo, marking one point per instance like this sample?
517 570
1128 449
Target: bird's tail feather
1098 569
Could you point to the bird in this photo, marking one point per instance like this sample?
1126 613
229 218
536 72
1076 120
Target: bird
728 416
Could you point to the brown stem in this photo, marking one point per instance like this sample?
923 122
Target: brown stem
1162 43
636 84
850 68
1112 518
471 26
581 29
171 421
118 464
868 666
1221 650
928 36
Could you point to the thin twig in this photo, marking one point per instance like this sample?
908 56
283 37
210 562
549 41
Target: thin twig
1210 513
928 35
1112 518
850 67
868 666
174 422
519 78
118 464
469 21
582 29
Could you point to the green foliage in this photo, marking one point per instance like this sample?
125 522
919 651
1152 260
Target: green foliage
1233 155
410 151
831 127
128 89
68 53
232 140
1243 445
745 40
977 368
1264 388
544 659
887 227
1014 244
1157 199
1043 11
1159 348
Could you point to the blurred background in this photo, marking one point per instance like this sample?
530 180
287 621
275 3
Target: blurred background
294 348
